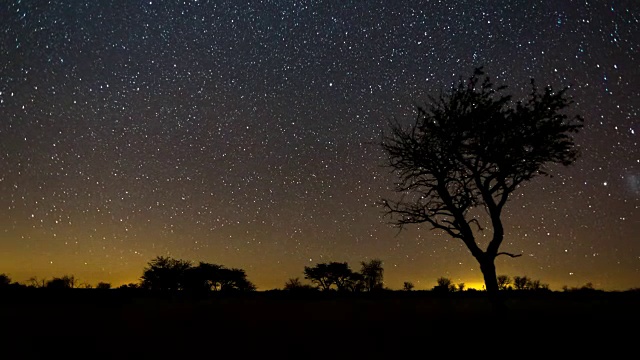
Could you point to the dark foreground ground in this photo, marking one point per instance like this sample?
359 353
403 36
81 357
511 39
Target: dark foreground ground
92 324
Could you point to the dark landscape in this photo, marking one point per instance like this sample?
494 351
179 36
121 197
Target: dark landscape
359 148
133 323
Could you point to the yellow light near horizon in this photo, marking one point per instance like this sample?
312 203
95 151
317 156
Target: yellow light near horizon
474 285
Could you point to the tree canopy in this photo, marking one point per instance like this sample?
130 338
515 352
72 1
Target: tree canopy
165 274
338 274
168 274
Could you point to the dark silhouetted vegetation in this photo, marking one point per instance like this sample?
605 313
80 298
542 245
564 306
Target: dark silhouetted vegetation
103 286
64 282
170 275
373 274
504 282
210 307
586 288
5 280
408 286
165 274
444 285
295 285
339 276
520 282
129 286
36 283
334 274
525 283
469 149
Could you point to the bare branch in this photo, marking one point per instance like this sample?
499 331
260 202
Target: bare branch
508 254
475 221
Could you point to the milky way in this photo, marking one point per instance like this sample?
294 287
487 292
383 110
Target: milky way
245 133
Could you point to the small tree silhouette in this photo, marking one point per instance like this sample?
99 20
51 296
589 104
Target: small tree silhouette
325 275
504 282
64 282
461 286
294 284
5 280
588 287
356 282
521 282
235 280
535 285
525 283
164 274
34 282
319 275
444 285
407 286
103 286
373 274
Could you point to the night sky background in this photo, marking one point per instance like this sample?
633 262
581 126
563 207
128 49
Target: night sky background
244 133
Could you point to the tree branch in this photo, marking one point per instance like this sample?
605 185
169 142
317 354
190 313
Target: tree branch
508 254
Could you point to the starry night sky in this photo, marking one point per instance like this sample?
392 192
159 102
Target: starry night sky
244 133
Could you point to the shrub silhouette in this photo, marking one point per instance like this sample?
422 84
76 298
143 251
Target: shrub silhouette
295 285
444 285
504 282
407 286
64 282
5 280
521 282
103 286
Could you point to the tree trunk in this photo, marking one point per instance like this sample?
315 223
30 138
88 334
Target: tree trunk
488 268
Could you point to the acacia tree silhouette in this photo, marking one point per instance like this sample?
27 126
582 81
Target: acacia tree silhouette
164 274
325 275
471 148
235 279
169 274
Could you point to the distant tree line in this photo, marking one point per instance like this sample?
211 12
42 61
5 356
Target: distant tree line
166 274
505 282
338 276
162 274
